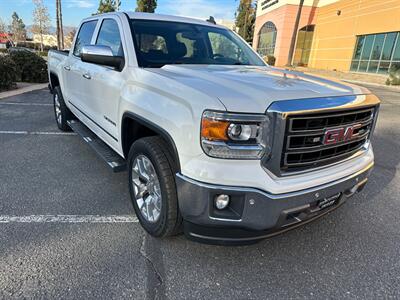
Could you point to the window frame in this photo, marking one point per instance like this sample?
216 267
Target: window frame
253 54
119 31
355 63
91 38
272 46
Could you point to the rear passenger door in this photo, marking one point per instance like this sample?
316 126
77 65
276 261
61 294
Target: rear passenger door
75 68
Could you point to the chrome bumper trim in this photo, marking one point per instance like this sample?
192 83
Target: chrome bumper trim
277 196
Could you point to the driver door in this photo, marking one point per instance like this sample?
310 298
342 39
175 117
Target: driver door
106 83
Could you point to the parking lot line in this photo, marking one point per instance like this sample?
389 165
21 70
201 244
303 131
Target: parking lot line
25 104
68 219
36 132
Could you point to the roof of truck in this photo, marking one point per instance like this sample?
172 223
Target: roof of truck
160 17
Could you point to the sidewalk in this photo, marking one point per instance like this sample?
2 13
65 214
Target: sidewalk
23 87
357 78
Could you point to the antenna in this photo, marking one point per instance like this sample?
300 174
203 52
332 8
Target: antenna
211 20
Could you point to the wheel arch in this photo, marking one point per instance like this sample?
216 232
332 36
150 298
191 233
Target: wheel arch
134 127
54 81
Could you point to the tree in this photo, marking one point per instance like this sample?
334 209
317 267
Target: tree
106 6
60 29
4 29
148 6
294 35
17 29
245 19
69 38
41 20
3 26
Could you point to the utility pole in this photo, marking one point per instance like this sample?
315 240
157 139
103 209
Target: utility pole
58 25
60 30
294 36
61 26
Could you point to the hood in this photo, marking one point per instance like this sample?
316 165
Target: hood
253 89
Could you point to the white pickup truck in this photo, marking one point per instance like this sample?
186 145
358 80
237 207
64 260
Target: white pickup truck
216 143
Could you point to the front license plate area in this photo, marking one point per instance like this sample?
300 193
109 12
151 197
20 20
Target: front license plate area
329 201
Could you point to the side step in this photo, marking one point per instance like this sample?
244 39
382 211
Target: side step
116 162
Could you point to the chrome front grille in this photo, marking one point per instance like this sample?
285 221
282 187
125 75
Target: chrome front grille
306 145
295 140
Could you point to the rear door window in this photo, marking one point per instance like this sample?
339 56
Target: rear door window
84 36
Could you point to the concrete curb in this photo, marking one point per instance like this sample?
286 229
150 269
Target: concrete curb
22 90
393 88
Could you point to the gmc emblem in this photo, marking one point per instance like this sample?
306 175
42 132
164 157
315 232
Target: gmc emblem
343 134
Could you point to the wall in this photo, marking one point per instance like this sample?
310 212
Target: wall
284 18
316 3
335 35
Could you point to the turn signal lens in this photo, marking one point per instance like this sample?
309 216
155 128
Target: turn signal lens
234 136
214 130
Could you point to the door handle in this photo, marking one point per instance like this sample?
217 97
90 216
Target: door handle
68 68
86 75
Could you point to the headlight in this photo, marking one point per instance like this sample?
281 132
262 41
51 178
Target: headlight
237 136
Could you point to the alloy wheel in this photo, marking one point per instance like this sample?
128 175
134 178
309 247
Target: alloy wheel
146 187
57 107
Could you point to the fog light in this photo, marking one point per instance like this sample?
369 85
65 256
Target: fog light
221 201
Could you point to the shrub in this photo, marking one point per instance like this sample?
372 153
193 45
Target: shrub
44 53
394 75
270 59
8 75
30 67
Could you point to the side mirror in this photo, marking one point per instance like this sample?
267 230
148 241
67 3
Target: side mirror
101 55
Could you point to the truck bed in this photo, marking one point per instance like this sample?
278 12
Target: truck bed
62 52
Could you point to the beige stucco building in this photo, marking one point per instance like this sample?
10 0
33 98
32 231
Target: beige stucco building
48 39
347 35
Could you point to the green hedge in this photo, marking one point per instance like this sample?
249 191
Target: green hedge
44 53
7 73
30 67
394 75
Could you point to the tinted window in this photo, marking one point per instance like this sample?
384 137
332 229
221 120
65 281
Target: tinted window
367 47
378 45
158 43
84 36
396 54
109 35
359 47
151 42
375 53
389 43
221 46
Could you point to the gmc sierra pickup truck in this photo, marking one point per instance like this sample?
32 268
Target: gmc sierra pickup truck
216 142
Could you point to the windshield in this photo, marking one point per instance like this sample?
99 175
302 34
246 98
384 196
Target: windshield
159 43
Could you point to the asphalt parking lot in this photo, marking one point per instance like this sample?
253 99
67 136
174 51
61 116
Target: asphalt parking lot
99 250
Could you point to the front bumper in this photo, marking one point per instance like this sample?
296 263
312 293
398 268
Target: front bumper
253 214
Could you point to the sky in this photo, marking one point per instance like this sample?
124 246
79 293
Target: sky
75 10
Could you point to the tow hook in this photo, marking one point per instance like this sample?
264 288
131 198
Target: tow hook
358 187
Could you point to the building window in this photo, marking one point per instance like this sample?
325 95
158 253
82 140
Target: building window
376 53
267 39
303 45
268 3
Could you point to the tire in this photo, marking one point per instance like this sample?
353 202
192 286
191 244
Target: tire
160 218
61 112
